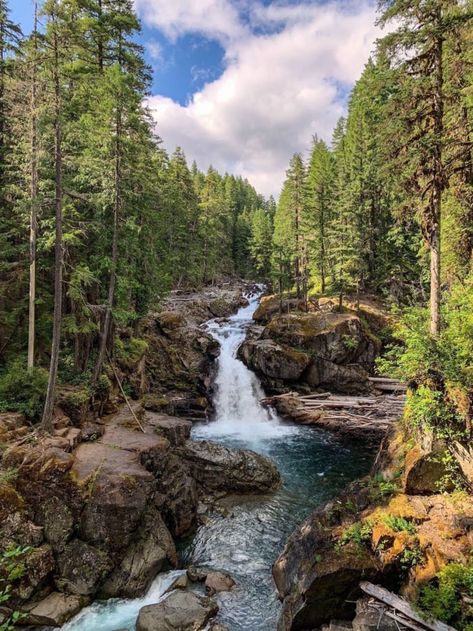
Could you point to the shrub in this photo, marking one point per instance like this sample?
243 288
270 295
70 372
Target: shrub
23 390
12 568
400 524
359 534
449 598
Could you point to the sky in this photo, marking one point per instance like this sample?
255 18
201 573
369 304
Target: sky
243 84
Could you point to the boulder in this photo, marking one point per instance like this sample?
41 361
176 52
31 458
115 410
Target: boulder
217 582
271 306
196 574
219 468
180 611
274 361
82 568
117 488
58 522
218 627
181 582
55 609
179 497
426 467
176 430
151 551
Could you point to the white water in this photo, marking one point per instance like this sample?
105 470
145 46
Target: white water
118 613
239 414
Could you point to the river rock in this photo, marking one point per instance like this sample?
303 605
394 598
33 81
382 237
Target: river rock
219 468
180 611
218 582
274 361
151 551
325 349
55 609
82 568
197 574
181 582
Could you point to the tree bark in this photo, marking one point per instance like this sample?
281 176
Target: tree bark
436 201
46 422
34 196
114 262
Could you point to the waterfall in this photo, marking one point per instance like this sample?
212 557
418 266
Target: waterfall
239 413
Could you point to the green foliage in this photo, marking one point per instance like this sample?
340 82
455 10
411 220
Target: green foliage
400 524
12 569
411 557
449 597
358 534
381 489
23 390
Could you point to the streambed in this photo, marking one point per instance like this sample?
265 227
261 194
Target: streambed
248 537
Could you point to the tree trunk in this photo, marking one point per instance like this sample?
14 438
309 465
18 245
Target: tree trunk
436 201
34 196
58 263
113 271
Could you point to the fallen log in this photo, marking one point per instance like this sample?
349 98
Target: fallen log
402 606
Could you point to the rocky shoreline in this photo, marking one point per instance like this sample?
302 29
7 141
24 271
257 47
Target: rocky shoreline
96 509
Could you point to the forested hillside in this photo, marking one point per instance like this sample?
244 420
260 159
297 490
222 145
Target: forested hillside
98 222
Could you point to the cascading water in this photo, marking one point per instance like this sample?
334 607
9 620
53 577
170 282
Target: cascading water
238 411
248 537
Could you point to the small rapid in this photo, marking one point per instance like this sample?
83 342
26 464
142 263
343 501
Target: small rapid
246 537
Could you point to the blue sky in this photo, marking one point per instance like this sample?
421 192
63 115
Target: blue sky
244 84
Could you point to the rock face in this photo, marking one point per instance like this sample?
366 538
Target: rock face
100 520
324 349
180 611
314 580
216 467
393 538
179 365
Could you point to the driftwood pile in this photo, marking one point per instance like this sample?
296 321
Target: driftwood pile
369 416
387 605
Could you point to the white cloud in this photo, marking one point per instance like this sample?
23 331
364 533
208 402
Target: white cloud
278 89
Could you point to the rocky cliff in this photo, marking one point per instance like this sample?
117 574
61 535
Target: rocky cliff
397 528
319 349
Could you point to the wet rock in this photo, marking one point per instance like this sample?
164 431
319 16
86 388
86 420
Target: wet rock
151 551
181 582
176 430
196 574
218 582
273 360
180 611
218 627
219 468
55 609
82 568
179 497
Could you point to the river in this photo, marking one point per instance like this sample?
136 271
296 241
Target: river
246 539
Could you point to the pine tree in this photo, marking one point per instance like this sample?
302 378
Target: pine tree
417 50
316 225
